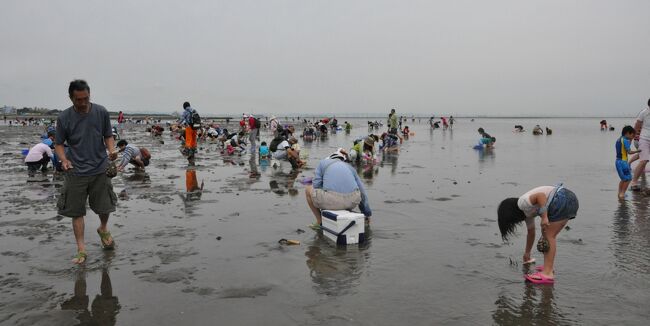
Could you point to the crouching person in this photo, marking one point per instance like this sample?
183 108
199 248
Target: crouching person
138 157
38 157
336 186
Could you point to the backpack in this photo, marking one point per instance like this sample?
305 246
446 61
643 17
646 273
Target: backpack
145 153
274 144
195 120
146 156
257 123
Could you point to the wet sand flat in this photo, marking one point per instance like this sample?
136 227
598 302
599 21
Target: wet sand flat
434 255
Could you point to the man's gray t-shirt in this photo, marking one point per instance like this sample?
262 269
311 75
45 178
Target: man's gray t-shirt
84 135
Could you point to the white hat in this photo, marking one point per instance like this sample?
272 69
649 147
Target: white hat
340 154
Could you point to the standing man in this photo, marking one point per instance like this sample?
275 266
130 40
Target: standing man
120 121
393 124
254 128
274 126
642 127
86 128
190 133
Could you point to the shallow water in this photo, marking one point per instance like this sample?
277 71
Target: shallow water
434 254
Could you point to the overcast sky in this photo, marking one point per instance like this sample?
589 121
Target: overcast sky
516 57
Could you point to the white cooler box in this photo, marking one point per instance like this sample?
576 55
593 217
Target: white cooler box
344 227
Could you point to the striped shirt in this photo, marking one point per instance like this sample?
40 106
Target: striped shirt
130 153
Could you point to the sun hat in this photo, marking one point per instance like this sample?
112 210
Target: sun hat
340 154
370 141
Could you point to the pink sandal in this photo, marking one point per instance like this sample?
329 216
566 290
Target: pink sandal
539 278
541 268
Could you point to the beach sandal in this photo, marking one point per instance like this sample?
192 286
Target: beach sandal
105 237
315 226
539 278
541 268
530 261
80 258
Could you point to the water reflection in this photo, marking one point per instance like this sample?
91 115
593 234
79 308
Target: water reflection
105 306
336 270
133 182
537 307
252 162
264 164
367 171
390 159
282 183
193 190
630 242
486 155
141 177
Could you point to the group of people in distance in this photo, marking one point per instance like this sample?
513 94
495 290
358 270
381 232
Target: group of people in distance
537 130
86 157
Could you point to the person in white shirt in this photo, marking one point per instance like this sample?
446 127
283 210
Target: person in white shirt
642 127
555 205
39 156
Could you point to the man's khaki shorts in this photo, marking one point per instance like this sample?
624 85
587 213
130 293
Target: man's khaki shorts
324 199
97 189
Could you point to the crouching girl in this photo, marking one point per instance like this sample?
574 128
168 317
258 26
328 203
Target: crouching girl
555 205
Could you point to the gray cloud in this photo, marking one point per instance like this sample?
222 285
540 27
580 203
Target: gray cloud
458 57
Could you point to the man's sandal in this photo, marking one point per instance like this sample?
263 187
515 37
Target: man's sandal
80 258
105 237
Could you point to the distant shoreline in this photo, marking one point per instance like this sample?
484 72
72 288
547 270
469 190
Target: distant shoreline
311 117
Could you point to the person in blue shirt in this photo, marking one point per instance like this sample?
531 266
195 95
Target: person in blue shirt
622 159
265 153
336 186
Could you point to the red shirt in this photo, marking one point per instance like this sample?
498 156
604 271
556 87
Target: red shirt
251 123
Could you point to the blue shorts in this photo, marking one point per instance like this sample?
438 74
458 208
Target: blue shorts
623 169
564 206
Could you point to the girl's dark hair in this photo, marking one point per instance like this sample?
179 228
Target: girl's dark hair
122 142
509 216
185 105
78 85
263 143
